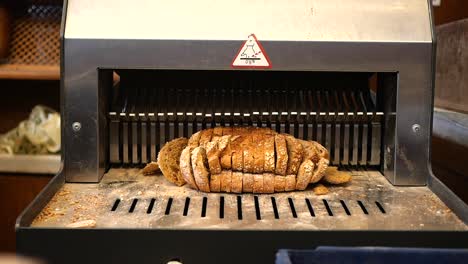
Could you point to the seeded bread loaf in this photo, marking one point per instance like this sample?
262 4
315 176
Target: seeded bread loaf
244 159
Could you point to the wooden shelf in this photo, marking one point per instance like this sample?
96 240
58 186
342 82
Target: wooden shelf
34 47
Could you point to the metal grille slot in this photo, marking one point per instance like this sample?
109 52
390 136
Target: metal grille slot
260 211
150 109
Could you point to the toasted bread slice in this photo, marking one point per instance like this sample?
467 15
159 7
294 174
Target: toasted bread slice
280 183
281 155
268 183
258 183
200 170
290 183
247 182
319 170
215 182
269 153
194 139
226 181
186 167
169 160
304 175
236 182
295 153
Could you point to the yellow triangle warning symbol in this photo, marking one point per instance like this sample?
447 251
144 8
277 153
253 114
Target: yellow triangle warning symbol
251 55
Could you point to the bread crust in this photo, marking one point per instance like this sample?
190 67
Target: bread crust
215 182
205 136
200 170
218 131
247 182
281 152
304 175
290 183
268 183
236 182
194 139
258 183
280 183
186 167
226 181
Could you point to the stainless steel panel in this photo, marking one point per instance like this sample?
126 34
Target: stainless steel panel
414 85
300 20
406 208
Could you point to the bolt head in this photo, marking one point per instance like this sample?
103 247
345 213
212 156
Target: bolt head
76 126
416 128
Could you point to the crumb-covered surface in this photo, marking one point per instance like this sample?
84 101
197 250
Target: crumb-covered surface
406 208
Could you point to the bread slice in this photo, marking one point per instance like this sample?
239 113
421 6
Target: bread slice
247 182
281 155
258 151
248 154
322 151
319 170
280 183
205 136
269 153
169 160
258 183
304 175
237 160
215 182
226 181
212 154
310 152
290 183
200 170
295 154
194 139
186 167
268 183
236 182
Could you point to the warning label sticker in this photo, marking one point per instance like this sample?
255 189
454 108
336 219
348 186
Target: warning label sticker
251 55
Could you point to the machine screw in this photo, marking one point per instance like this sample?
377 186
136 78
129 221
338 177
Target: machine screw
76 126
416 128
